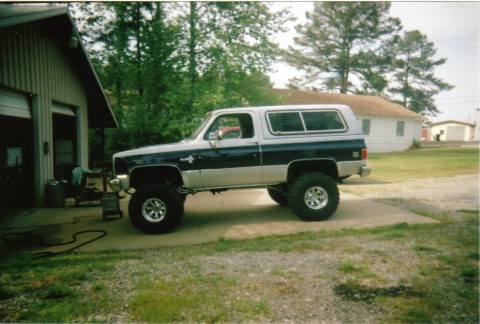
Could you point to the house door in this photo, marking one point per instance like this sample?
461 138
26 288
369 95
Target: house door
16 151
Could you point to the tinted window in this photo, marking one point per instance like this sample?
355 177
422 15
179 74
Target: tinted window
306 121
323 121
285 122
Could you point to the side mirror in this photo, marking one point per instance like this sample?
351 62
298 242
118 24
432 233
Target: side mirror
218 136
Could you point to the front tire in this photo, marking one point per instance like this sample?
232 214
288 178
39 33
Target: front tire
314 196
156 209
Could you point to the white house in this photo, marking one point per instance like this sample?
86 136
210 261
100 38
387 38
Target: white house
388 127
451 130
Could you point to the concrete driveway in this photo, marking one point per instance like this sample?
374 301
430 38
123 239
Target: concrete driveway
235 214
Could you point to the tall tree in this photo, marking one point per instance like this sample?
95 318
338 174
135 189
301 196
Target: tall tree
413 80
341 40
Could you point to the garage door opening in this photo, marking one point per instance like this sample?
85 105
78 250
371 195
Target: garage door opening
16 162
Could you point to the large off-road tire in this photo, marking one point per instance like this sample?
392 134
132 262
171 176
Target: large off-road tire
156 209
313 196
278 197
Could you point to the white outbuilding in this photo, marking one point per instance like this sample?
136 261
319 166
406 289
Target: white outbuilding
452 130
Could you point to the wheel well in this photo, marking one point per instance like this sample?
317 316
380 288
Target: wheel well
328 167
155 175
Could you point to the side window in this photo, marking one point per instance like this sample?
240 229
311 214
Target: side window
305 122
285 122
232 126
323 121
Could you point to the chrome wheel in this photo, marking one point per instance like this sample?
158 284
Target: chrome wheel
154 210
316 198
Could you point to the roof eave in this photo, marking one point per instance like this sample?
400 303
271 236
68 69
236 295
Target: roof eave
25 17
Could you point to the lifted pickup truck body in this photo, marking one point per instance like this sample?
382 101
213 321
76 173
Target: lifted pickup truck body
245 147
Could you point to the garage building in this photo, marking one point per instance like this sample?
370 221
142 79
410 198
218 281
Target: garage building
49 98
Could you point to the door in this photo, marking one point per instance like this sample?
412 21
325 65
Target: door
455 133
234 159
64 135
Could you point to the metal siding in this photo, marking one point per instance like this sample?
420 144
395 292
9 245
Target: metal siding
32 62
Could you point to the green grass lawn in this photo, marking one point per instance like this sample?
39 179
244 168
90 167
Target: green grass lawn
425 162
440 283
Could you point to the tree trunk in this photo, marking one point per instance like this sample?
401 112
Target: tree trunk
192 54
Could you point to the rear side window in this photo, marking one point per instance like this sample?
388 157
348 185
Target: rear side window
284 123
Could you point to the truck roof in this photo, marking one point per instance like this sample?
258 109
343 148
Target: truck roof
285 108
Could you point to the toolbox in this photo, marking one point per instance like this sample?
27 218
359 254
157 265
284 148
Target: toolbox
111 205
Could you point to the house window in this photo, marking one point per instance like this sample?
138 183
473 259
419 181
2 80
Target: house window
366 126
400 128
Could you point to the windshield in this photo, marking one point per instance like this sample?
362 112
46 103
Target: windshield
199 128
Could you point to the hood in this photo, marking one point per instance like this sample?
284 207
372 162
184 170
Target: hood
161 148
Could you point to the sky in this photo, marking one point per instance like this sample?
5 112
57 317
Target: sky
454 29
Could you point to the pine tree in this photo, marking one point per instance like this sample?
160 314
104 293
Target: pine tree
413 81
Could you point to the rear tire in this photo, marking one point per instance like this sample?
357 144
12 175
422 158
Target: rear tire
314 196
278 197
156 209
